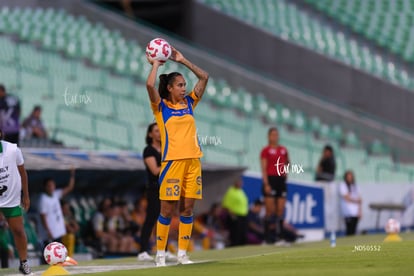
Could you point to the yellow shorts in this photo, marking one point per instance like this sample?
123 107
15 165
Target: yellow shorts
180 178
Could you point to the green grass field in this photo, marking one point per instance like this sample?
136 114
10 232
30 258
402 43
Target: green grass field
360 255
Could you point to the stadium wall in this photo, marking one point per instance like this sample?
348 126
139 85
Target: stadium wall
317 205
323 76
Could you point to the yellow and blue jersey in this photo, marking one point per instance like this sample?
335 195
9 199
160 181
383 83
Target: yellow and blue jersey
177 128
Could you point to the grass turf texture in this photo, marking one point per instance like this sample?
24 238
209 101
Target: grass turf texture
359 255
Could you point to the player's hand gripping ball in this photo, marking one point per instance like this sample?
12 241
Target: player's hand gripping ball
158 49
55 253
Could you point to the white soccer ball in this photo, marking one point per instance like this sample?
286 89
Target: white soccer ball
55 253
158 49
392 226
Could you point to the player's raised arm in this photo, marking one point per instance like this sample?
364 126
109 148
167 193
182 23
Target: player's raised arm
202 75
153 93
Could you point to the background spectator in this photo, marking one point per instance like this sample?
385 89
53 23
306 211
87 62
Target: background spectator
326 166
236 202
9 116
72 227
33 125
104 238
215 222
255 223
138 216
51 214
125 227
350 203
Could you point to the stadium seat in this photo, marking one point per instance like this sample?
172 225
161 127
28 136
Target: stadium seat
351 140
377 147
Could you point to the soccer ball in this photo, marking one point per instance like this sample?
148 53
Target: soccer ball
158 49
392 226
55 253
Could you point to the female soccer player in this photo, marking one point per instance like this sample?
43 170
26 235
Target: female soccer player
273 160
180 173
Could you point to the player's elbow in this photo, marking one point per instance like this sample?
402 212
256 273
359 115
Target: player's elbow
150 86
205 77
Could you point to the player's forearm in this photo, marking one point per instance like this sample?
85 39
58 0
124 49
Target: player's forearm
264 177
25 184
152 91
24 180
201 75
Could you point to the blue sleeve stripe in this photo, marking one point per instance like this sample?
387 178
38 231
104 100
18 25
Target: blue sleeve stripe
186 220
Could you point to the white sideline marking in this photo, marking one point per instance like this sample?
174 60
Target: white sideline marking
73 270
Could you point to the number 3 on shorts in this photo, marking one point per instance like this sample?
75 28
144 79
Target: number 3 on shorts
176 190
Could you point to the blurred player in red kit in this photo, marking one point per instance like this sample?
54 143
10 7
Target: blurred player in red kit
274 160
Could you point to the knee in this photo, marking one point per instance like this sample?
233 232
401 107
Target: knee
167 211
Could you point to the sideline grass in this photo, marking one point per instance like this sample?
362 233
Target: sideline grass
359 255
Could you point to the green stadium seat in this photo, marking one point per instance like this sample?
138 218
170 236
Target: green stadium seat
337 133
377 147
315 124
261 105
324 132
299 121
351 140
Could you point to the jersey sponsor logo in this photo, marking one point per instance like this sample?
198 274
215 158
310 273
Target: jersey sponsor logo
173 180
198 180
181 112
186 237
272 151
